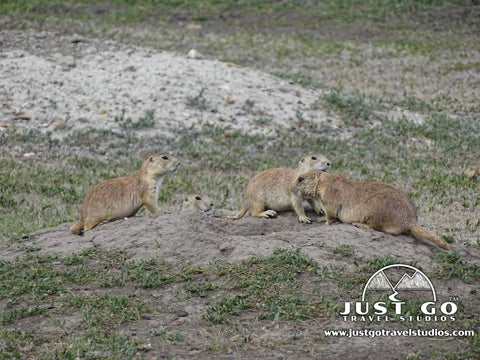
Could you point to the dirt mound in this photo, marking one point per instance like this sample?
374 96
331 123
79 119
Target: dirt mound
70 83
199 238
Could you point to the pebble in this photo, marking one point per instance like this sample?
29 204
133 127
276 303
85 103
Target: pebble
194 54
182 313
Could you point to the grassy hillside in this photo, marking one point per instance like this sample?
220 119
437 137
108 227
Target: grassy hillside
402 76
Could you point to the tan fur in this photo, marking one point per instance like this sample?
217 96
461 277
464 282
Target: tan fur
197 202
472 171
272 190
375 205
123 197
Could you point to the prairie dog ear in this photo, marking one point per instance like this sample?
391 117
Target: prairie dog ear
151 159
186 199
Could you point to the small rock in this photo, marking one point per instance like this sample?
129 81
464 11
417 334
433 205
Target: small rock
4 124
103 112
229 100
77 40
228 132
182 313
225 87
194 54
193 27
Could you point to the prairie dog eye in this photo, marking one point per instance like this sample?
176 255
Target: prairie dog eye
198 198
314 158
186 199
300 179
165 157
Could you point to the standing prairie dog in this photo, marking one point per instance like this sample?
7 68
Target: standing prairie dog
197 202
273 190
123 197
374 205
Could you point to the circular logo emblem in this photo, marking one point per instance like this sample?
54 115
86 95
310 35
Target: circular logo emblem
399 279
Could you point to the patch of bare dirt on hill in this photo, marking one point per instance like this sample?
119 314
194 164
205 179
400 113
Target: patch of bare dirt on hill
200 238
66 84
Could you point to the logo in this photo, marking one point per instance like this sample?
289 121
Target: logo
411 297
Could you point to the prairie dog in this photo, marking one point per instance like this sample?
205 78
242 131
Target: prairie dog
472 171
123 197
272 190
374 205
197 202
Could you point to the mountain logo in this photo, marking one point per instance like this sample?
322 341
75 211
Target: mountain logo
412 287
411 279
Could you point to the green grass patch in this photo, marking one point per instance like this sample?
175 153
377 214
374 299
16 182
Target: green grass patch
285 286
301 79
355 109
344 251
147 10
268 287
453 266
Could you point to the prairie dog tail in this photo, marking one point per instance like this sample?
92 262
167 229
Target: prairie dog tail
238 215
421 232
77 228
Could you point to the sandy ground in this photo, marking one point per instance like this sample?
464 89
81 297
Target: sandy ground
65 84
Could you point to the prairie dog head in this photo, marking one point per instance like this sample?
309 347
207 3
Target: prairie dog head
313 162
160 164
308 183
197 202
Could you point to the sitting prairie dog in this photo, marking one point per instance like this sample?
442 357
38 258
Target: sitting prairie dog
472 171
374 205
197 202
123 197
272 190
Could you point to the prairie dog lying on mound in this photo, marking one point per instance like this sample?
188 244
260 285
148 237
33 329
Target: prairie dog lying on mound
123 197
374 205
273 190
197 202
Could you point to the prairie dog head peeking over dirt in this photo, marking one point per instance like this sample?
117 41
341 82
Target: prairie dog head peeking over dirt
197 202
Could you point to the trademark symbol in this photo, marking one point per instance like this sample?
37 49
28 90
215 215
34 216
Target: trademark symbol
453 298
